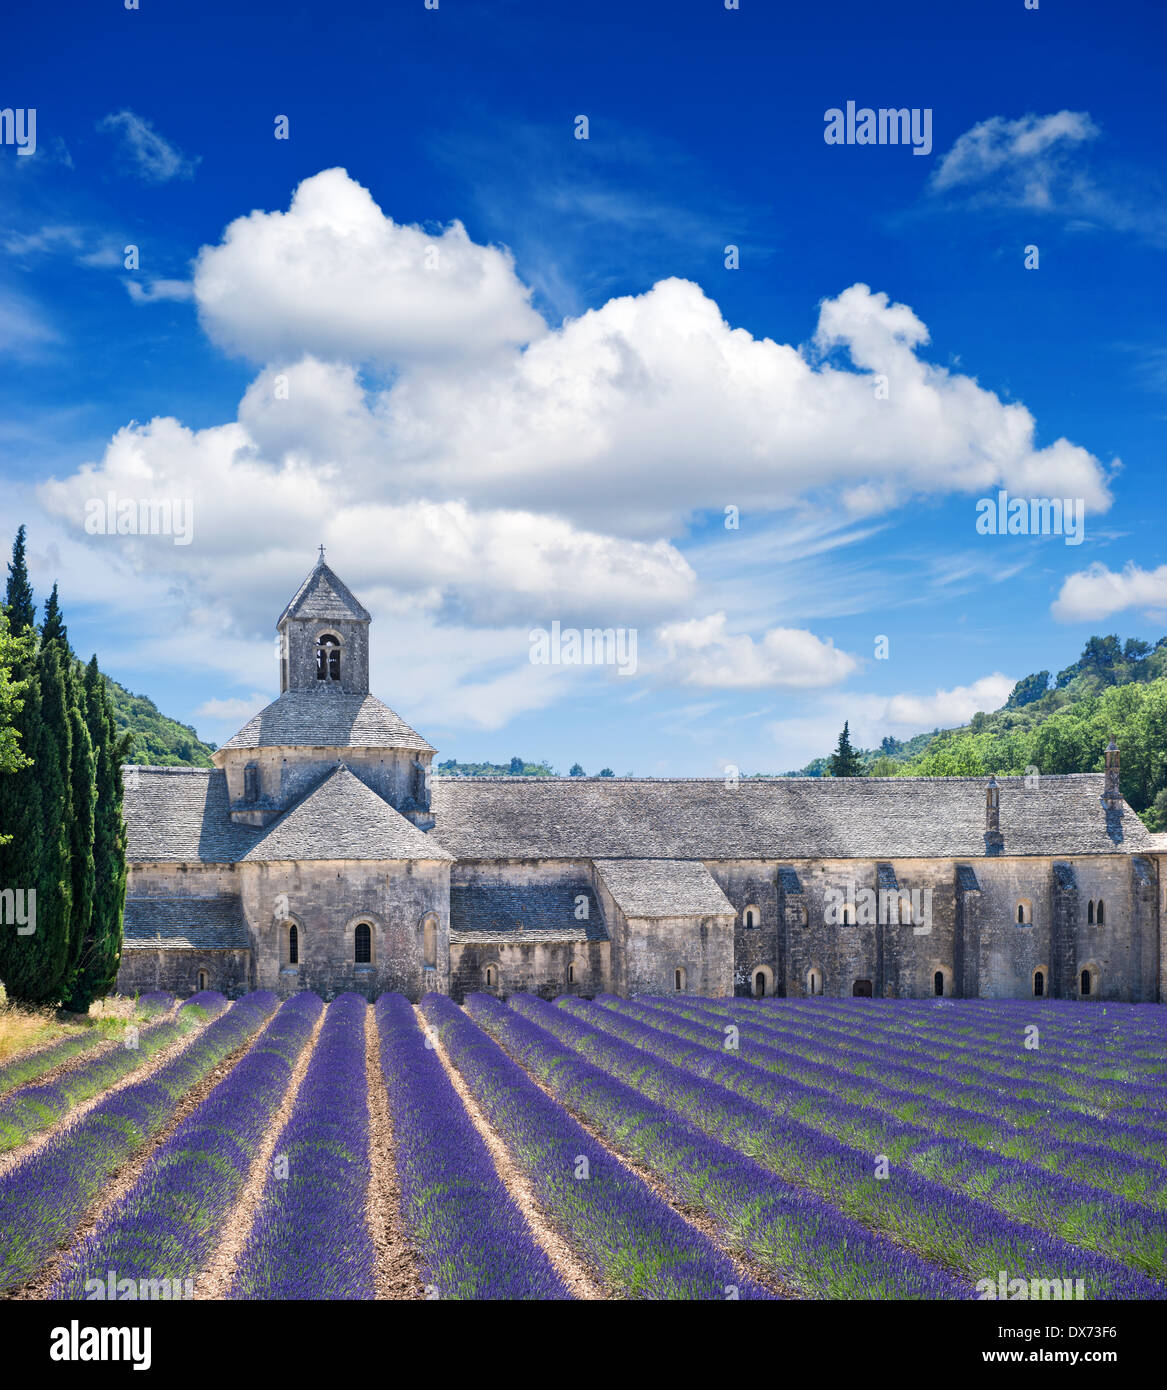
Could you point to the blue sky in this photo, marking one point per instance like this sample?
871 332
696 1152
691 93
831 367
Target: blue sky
507 377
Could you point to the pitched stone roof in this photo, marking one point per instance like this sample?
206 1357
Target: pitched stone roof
183 923
343 819
327 718
526 911
784 818
323 596
663 888
182 815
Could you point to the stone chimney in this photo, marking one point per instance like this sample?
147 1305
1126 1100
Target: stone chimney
994 840
1112 797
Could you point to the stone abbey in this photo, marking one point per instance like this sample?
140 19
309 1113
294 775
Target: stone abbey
320 853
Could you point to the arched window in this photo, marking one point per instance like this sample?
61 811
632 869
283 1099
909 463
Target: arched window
429 942
1090 914
363 944
571 974
327 657
1085 983
760 985
814 982
1038 983
846 916
293 944
202 981
1100 915
491 976
752 917
1024 913
938 983
679 978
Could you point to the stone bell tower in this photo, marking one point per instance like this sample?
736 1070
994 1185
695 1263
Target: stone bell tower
324 637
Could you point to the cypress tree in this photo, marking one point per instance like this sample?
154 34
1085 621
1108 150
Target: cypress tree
82 792
21 809
845 762
18 599
101 951
45 966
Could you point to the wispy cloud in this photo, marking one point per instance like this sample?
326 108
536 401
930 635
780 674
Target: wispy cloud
150 154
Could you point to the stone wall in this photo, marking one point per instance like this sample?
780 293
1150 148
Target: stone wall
177 970
327 899
530 968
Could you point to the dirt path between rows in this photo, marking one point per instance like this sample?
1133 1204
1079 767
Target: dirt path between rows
570 1269
16 1156
396 1271
128 1174
694 1216
214 1281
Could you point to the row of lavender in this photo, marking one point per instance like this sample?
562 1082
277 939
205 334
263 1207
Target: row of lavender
630 1239
472 1239
799 1242
310 1238
33 1108
988 1112
169 1223
30 1066
45 1197
1097 1062
954 1230
1058 1204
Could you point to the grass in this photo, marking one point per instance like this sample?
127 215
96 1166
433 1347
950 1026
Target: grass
23 1028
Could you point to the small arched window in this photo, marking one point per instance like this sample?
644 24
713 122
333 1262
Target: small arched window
1024 913
679 978
1090 914
938 983
1038 984
752 917
846 916
760 985
327 657
293 944
363 944
1100 915
571 974
1086 982
202 981
814 982
491 976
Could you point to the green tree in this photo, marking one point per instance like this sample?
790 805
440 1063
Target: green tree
845 762
101 951
606 772
14 653
576 771
18 598
1027 690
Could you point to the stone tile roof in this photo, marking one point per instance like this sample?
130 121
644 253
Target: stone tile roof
343 819
544 911
663 888
519 938
327 718
184 923
784 818
323 596
1157 843
182 815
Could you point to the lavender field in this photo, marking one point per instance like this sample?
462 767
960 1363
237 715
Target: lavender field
655 1148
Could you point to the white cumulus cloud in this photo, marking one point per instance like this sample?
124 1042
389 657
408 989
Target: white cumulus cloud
1097 592
704 652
